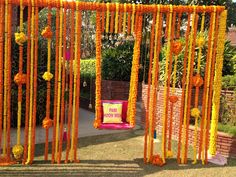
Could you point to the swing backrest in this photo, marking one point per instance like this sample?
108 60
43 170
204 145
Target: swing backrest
124 107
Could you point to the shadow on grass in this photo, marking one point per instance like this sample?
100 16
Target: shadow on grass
92 167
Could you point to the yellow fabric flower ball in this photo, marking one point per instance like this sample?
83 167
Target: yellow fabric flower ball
195 112
169 154
20 38
17 151
47 76
200 41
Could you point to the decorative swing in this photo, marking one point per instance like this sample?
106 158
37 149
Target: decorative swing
117 114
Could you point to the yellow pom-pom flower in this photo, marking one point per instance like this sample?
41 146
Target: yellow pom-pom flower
17 151
20 38
169 154
47 76
195 112
200 41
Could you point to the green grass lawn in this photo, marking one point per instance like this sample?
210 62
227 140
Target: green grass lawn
119 154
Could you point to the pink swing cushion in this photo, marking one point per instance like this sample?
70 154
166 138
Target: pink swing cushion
114 126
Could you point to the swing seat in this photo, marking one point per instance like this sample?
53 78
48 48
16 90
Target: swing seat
117 126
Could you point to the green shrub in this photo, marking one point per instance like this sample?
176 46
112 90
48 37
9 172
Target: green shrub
87 72
227 129
229 82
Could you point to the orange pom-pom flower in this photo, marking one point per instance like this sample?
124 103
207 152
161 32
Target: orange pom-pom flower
20 78
197 80
47 123
173 99
176 47
47 32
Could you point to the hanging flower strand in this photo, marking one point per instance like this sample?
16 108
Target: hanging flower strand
116 18
107 17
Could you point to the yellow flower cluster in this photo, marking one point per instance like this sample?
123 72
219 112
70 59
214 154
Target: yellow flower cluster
47 76
195 112
200 41
20 38
17 151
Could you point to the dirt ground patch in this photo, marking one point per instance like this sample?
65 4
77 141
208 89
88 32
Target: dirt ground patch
119 154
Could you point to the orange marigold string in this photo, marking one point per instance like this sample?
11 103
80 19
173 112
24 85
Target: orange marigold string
27 88
120 23
211 86
103 21
62 114
98 106
129 23
156 84
205 90
149 83
78 86
47 121
183 87
35 82
1 66
55 85
179 25
9 84
190 87
70 84
112 22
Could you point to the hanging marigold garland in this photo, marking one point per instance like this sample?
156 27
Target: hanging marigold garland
133 18
77 86
1 66
183 88
27 87
134 77
98 106
72 46
62 114
117 18
59 82
4 148
149 88
206 86
154 85
186 103
35 80
19 79
107 17
164 115
190 86
124 19
197 82
47 76
9 63
217 82
56 85
31 84
211 86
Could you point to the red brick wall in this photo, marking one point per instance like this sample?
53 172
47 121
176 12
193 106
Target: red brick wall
117 90
226 144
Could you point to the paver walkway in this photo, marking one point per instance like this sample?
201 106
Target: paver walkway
86 128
